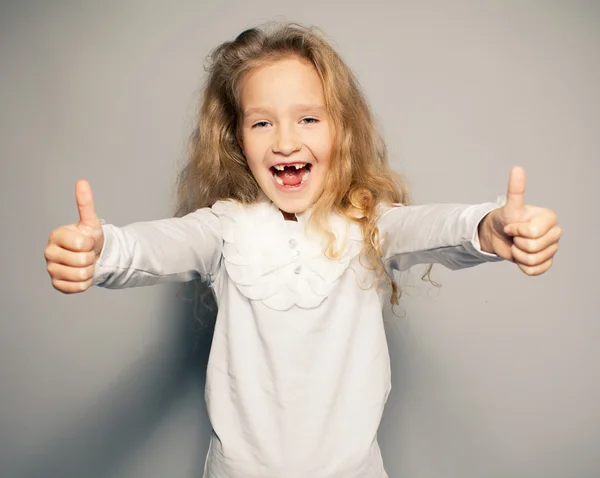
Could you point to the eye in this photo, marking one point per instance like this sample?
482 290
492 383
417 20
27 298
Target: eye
309 120
260 124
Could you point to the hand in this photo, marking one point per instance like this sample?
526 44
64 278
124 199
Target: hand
73 250
525 235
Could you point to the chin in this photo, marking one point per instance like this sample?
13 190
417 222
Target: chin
295 206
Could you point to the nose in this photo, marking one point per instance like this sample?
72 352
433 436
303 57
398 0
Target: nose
286 141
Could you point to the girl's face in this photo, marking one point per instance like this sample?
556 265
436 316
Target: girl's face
285 134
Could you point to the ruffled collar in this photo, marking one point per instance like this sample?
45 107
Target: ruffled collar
275 261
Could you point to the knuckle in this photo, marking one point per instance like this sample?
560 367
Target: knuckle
81 259
530 259
91 258
58 285
514 250
529 270
79 242
85 273
58 234
84 259
520 244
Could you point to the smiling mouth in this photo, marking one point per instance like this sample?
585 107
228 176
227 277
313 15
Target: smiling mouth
292 174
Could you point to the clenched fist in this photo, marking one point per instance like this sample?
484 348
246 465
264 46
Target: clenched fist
73 250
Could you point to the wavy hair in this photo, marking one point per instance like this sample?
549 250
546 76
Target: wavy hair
359 177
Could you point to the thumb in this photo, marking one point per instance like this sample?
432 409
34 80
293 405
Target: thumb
515 197
85 204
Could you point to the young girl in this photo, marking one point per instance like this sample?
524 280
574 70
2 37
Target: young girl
289 211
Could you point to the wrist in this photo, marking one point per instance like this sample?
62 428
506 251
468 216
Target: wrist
483 230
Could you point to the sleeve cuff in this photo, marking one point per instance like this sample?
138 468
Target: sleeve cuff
101 272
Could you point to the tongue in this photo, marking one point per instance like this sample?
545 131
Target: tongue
291 176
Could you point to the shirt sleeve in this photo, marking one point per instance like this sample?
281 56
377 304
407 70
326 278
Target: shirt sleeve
446 234
166 250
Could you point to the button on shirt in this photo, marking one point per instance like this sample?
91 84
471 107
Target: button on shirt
299 370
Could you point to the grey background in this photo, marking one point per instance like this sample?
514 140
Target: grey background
496 374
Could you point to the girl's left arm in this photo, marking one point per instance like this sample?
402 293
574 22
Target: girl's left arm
446 234
460 236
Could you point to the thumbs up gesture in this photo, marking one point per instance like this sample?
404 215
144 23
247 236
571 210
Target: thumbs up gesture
73 250
526 235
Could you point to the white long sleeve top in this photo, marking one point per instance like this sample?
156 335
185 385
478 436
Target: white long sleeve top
299 371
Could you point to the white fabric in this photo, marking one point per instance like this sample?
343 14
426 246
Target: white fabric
299 370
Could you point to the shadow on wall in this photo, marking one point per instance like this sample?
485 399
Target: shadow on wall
118 423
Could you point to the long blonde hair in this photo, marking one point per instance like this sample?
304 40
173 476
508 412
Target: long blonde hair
359 177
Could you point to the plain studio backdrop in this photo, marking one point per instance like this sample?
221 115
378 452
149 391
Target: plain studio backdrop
495 374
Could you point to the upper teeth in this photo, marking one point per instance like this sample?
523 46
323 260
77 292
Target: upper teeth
280 167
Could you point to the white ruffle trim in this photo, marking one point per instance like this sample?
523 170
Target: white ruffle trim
282 266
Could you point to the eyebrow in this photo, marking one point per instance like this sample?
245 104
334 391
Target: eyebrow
314 109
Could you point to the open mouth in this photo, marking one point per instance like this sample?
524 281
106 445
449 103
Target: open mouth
291 175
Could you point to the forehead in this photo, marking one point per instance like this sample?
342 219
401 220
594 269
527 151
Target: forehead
282 82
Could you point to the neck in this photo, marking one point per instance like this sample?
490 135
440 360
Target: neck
289 216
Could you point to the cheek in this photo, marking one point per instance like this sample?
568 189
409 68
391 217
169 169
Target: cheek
324 151
325 145
251 150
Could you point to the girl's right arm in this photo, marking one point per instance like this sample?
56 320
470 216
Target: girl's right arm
169 250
